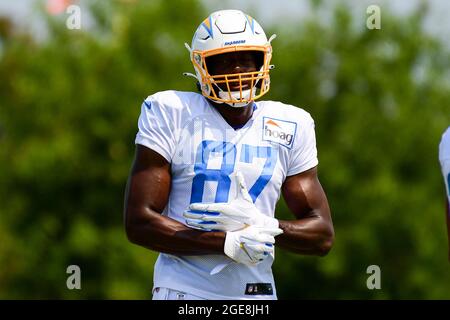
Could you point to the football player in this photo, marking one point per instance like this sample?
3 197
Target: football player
209 169
444 158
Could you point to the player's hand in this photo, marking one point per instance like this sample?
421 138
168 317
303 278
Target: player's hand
250 245
235 215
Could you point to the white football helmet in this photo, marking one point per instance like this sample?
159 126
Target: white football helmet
229 31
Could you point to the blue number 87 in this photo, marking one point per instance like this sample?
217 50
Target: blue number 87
222 175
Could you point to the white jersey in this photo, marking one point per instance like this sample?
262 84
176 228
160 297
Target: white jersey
205 152
444 159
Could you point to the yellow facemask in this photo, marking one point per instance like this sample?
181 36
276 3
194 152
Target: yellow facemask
208 82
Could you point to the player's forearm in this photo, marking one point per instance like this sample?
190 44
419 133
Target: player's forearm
160 233
309 236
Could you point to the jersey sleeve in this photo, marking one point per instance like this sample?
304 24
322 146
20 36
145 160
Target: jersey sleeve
157 128
304 151
444 159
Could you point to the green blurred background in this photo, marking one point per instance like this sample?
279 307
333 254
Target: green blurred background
69 103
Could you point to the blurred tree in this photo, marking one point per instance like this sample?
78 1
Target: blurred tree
380 102
68 116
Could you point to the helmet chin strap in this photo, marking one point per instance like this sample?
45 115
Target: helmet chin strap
245 93
236 95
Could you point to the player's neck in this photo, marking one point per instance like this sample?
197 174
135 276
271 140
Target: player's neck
235 117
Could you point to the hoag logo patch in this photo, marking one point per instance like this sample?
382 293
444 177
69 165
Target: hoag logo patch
279 131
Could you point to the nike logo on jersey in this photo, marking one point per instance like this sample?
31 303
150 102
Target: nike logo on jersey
279 131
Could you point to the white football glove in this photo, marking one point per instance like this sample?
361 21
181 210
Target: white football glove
235 215
250 245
